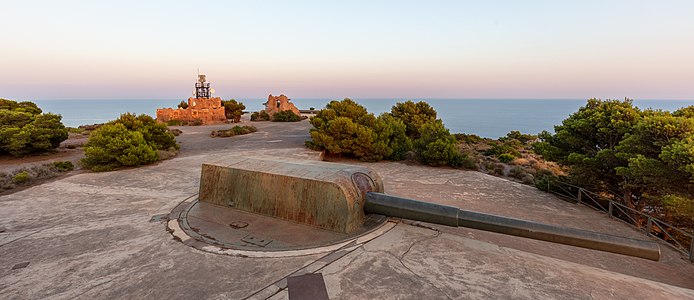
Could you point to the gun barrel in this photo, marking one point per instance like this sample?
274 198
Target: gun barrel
392 206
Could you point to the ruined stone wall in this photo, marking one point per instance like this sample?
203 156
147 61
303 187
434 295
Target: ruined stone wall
209 111
279 103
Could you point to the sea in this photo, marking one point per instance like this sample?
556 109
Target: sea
491 118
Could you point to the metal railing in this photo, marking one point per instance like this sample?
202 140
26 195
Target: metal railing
679 239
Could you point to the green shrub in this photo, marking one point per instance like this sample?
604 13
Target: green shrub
436 146
414 115
347 128
174 123
63 166
156 134
260 116
90 127
528 179
236 130
544 180
75 130
183 104
518 136
286 116
166 154
24 129
521 174
391 138
233 110
128 141
680 208
21 177
506 157
517 172
6 181
498 149
467 138
463 161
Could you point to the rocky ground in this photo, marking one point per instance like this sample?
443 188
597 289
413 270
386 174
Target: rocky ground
89 236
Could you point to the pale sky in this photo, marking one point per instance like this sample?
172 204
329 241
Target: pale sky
336 49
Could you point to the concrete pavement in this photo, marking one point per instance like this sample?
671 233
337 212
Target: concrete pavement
89 236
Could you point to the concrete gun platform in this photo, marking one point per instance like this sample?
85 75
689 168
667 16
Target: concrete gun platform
91 236
230 228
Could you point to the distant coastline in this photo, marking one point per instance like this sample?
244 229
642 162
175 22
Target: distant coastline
490 118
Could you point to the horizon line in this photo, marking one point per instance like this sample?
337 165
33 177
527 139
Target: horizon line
376 98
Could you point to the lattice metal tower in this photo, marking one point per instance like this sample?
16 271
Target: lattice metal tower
202 88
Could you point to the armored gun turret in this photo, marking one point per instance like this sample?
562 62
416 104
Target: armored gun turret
341 198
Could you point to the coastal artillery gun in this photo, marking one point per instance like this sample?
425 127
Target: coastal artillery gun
342 198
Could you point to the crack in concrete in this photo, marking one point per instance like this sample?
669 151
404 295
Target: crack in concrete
402 256
400 259
29 234
345 247
346 265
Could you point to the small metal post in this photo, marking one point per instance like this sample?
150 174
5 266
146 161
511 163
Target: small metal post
648 226
580 190
609 209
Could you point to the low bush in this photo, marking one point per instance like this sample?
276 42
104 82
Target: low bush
25 176
468 138
74 130
128 141
5 181
236 130
286 116
543 180
464 161
196 122
517 172
498 149
175 131
63 166
517 135
166 154
24 129
506 157
21 177
260 116
113 145
528 179
436 146
91 127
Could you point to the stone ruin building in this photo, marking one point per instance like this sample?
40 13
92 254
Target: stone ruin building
203 108
280 103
